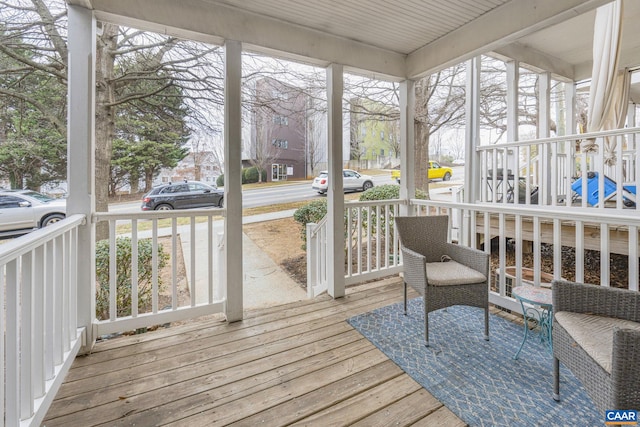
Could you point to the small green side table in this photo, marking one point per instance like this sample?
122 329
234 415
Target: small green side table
539 309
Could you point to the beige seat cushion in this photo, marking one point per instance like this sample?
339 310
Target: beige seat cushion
594 333
452 273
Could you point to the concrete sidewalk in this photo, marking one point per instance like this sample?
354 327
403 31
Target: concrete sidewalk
264 282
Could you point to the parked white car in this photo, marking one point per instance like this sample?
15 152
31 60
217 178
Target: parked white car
22 211
352 181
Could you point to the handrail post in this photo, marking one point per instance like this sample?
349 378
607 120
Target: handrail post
312 260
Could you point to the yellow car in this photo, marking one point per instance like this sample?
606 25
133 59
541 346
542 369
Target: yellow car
435 172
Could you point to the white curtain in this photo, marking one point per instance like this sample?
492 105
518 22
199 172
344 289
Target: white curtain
609 92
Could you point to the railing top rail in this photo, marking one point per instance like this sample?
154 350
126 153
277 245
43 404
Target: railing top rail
356 203
577 136
627 217
18 247
318 226
178 213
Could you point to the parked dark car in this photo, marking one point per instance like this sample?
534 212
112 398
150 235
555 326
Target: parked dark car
22 211
183 195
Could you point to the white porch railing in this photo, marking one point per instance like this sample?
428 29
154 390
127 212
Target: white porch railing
371 249
39 319
137 305
533 227
548 171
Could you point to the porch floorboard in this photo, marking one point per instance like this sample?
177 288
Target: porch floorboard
298 363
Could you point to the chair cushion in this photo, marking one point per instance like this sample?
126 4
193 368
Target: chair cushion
594 333
452 273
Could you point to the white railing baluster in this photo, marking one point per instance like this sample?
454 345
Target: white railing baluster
135 291
193 262
579 251
519 248
502 251
113 277
154 266
174 263
557 248
210 238
369 236
349 233
12 337
39 309
64 280
58 350
604 254
26 332
633 258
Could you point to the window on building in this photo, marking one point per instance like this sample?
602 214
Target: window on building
280 143
281 120
382 135
382 151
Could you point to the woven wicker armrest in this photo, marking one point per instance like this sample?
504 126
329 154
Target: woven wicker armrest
415 271
598 300
625 372
470 257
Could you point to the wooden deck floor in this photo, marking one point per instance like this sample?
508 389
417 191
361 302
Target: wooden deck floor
300 363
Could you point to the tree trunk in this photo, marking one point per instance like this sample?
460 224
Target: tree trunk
421 157
105 120
134 183
148 180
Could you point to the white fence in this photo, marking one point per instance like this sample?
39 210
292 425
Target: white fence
146 298
549 171
39 320
371 248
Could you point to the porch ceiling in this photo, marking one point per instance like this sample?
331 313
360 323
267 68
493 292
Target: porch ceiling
400 39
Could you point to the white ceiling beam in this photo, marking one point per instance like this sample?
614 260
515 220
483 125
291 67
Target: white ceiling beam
213 23
536 60
501 26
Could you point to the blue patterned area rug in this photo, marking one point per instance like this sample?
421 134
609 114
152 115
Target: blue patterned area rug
476 379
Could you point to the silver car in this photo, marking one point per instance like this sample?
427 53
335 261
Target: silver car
22 211
351 180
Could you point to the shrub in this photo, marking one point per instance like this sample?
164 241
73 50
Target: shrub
311 212
220 181
251 175
123 275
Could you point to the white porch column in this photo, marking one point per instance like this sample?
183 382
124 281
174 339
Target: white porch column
233 179
570 127
513 85
544 125
407 142
81 156
472 132
472 159
335 195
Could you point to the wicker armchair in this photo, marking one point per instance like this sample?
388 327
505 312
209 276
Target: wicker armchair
445 274
596 334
